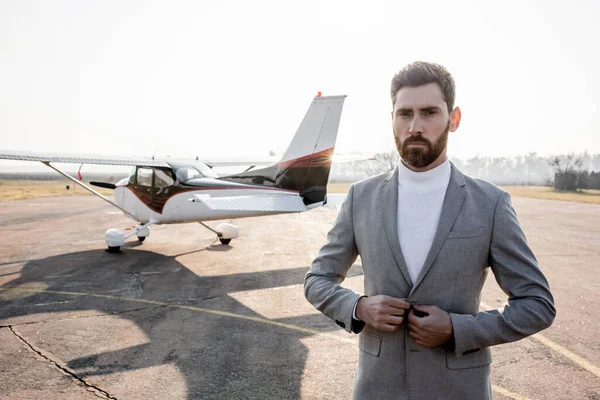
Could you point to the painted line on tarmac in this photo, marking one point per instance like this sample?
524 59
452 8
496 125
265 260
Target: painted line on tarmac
568 354
192 308
296 328
508 393
561 350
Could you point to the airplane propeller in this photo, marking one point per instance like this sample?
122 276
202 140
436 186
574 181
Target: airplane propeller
105 185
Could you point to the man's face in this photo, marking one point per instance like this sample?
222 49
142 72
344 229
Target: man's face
421 123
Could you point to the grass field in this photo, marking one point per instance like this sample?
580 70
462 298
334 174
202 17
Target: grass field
18 190
541 192
536 192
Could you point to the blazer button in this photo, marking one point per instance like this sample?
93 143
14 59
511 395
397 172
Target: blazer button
340 323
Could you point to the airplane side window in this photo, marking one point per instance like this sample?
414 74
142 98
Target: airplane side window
144 177
163 178
132 175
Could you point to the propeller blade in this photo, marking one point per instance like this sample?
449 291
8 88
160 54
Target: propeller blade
105 185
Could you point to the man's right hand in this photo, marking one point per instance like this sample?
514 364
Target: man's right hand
382 312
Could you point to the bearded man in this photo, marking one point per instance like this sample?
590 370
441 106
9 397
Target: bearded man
427 236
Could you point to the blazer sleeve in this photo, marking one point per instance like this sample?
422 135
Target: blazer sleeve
328 270
530 306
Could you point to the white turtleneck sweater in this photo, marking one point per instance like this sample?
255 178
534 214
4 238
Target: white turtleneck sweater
420 199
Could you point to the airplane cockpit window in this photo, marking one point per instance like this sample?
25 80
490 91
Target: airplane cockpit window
186 173
163 178
144 177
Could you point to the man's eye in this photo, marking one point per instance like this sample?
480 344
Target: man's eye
430 112
402 114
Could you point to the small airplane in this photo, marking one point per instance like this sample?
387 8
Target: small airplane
172 192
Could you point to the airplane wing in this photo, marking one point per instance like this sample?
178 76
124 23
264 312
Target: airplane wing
83 159
147 162
267 203
46 159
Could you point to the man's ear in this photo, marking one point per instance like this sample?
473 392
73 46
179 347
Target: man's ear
455 117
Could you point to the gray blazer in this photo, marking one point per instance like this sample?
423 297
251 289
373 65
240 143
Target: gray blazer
478 229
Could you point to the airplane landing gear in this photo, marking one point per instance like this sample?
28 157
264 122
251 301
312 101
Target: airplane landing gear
225 232
142 232
115 238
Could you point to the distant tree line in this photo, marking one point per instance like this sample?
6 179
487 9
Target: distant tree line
563 172
569 174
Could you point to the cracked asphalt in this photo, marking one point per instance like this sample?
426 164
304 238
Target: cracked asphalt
183 317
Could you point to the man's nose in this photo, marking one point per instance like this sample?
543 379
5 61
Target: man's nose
416 126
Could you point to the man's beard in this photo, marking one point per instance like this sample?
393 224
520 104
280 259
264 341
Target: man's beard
420 157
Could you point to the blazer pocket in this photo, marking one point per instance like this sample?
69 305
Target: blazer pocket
466 233
370 344
471 359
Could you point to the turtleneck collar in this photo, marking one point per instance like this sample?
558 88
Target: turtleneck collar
434 178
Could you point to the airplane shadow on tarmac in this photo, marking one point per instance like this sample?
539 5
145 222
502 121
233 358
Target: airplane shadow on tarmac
219 356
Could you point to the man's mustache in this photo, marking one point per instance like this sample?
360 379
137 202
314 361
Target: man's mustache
417 139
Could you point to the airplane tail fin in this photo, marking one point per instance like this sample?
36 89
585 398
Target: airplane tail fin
306 164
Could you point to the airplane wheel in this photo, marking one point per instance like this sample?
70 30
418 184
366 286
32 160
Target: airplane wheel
114 249
225 241
141 238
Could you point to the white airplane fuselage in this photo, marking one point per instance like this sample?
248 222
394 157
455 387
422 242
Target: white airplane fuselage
179 209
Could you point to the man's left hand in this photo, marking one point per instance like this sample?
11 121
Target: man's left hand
433 330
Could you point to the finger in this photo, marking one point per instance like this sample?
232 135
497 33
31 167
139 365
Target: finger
397 303
423 334
385 311
395 327
418 338
388 319
415 328
394 311
392 319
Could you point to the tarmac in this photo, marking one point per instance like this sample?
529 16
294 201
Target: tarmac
183 317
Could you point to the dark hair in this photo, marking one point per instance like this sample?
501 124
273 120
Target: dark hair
421 73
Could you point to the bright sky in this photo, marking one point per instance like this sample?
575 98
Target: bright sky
223 78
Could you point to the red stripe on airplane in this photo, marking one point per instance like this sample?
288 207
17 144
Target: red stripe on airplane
320 159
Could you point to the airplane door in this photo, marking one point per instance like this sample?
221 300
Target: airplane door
149 194
139 198
163 188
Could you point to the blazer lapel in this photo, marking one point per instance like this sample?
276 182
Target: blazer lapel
389 209
453 201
